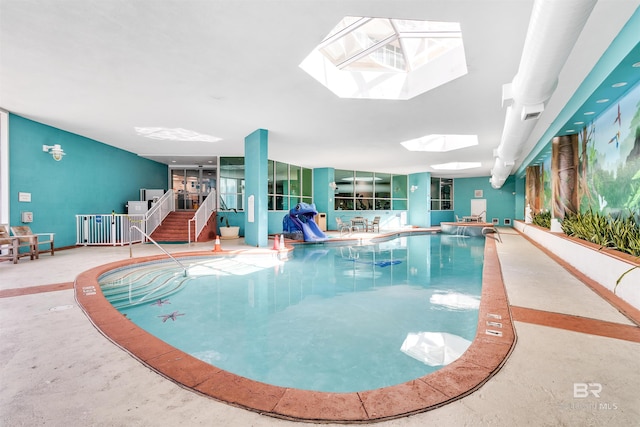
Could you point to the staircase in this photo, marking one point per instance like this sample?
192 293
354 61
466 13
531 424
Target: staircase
175 228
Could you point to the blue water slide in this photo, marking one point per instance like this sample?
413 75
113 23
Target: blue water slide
310 230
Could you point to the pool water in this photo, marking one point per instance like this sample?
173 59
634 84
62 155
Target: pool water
329 318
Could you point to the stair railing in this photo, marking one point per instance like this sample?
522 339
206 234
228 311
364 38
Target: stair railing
203 214
159 211
184 269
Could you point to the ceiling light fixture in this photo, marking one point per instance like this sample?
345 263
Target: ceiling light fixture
619 84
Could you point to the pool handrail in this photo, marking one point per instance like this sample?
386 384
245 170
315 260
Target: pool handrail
184 269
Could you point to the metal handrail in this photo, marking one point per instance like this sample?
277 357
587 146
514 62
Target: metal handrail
154 216
184 269
203 214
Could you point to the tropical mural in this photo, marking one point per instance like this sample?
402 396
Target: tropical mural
609 170
607 155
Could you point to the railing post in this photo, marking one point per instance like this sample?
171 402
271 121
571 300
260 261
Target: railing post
85 229
113 229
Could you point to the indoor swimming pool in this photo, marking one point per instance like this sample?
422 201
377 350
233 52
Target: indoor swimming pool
329 318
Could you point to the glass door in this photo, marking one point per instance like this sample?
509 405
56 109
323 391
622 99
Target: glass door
191 186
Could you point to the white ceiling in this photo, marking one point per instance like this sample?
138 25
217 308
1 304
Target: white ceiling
100 68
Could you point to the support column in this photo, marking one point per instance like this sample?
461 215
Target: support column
419 209
256 220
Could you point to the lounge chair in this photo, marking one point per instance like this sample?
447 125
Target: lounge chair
343 226
9 245
374 224
28 238
477 217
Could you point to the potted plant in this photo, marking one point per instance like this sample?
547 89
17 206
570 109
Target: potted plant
228 231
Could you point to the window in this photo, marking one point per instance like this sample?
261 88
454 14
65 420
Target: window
288 185
231 183
358 190
441 194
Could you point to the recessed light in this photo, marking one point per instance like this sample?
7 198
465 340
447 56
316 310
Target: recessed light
589 113
173 161
636 65
210 161
620 84
602 101
570 130
578 123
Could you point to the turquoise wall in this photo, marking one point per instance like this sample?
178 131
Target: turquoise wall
442 216
322 193
92 178
256 175
501 202
419 213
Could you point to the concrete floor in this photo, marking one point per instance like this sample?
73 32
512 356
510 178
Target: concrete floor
57 369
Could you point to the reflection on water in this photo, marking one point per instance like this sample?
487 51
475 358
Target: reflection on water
328 318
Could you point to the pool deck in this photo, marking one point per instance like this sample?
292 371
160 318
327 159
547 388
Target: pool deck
58 369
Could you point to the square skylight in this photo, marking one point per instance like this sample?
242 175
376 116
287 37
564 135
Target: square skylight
456 166
440 143
174 134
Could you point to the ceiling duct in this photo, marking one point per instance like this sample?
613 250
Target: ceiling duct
553 30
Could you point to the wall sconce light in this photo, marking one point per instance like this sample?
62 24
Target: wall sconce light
414 188
333 185
56 151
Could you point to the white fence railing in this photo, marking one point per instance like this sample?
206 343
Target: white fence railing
115 229
203 213
159 212
109 229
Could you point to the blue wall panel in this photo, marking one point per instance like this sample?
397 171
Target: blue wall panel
92 178
501 202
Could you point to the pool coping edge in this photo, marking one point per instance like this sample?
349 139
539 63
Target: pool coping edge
483 359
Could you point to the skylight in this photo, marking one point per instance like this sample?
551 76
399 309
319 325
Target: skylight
380 58
174 134
456 166
440 143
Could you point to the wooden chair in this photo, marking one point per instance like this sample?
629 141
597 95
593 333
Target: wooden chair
11 245
8 244
374 224
33 240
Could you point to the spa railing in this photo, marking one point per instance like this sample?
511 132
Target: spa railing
184 269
